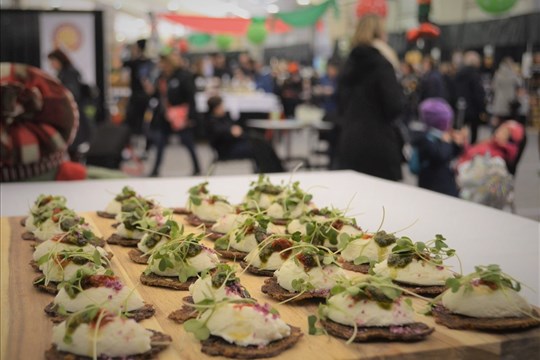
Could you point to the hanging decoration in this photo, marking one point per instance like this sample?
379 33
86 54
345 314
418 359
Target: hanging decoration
426 29
199 39
307 16
216 25
183 46
224 42
377 7
496 6
256 32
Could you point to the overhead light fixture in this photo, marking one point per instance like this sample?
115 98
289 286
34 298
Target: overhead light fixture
173 6
117 4
303 2
55 4
272 8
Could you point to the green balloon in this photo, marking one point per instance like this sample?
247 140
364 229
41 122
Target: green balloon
199 39
256 33
224 42
496 6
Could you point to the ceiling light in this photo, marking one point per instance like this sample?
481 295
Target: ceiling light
272 8
173 6
118 4
303 2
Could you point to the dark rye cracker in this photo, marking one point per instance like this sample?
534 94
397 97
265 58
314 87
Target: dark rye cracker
361 268
282 222
50 288
429 291
166 281
105 215
116 239
158 341
196 221
216 346
185 313
255 270
138 256
181 211
146 312
27 235
231 254
272 289
444 317
212 235
410 332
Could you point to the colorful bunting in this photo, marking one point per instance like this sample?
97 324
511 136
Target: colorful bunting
307 16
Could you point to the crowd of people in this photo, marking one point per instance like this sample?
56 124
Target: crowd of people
374 100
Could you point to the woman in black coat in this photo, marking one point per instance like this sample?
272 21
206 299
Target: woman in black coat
369 101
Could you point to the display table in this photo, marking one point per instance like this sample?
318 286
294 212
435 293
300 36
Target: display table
479 234
236 103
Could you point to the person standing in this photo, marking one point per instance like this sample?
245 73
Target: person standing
174 110
140 68
469 88
432 84
70 77
505 85
369 102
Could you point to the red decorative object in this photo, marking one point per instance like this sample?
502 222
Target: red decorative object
183 46
425 30
231 26
377 7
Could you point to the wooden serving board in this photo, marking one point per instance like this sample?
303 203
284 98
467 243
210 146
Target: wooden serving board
26 330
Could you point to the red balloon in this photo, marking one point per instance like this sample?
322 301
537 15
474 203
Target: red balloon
377 7
183 46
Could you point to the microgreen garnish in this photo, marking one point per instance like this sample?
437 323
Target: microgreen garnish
176 254
197 192
126 193
77 283
490 275
434 251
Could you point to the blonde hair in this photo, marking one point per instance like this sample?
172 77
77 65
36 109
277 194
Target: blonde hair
369 28
472 58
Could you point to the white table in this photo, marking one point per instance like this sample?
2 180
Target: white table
481 235
236 103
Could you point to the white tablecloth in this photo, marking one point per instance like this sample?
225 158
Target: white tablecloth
236 103
480 235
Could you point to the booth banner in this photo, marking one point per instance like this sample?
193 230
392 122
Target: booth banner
73 34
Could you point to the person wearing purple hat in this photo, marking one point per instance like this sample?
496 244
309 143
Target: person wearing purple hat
436 147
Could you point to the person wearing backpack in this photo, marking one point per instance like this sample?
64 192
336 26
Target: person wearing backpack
436 147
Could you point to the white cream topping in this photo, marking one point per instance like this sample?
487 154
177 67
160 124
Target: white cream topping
246 325
276 229
264 201
29 223
113 300
274 261
202 289
205 260
114 207
211 211
50 245
228 222
365 247
128 234
118 337
343 309
54 272
276 211
322 278
416 273
47 230
246 243
483 302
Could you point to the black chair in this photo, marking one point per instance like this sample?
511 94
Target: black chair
107 144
